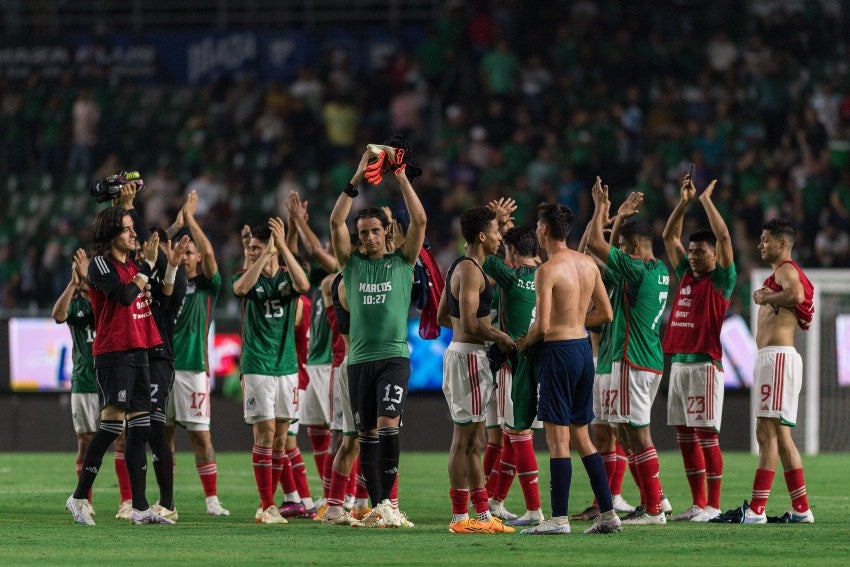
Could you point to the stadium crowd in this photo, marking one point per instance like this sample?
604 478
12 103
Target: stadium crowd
492 103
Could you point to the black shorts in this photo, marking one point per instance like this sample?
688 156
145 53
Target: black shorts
125 387
162 378
377 388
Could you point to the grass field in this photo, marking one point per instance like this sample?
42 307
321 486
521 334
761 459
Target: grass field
35 528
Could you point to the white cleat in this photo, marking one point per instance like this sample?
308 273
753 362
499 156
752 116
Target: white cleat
646 519
549 527
620 504
666 507
80 510
801 517
498 509
389 514
124 510
271 515
343 519
148 517
214 507
165 512
708 513
606 523
686 515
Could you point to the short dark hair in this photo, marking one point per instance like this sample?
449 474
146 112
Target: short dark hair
524 239
704 235
261 232
372 213
108 224
163 236
474 221
637 229
559 219
780 227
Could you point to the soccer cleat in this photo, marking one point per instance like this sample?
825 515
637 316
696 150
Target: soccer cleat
620 504
733 516
530 518
666 507
498 510
635 513
750 517
405 521
801 518
606 523
148 517
320 513
468 526
165 512
360 513
80 510
497 526
258 514
271 515
548 527
291 509
389 514
309 513
214 507
343 519
588 513
90 507
371 520
646 519
124 510
686 515
708 513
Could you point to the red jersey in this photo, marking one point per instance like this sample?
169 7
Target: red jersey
337 344
805 310
698 310
119 327
302 340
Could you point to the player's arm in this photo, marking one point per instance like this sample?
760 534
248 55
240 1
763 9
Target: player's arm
340 237
602 312
673 229
249 277
298 214
444 318
60 308
209 266
542 309
725 255
300 283
418 219
299 311
596 242
172 257
103 277
791 294
481 328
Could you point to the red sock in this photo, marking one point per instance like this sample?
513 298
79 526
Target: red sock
123 477
646 463
287 483
261 457
526 468
327 476
479 500
352 477
616 480
710 445
460 501
299 472
630 459
336 494
491 471
507 470
279 460
320 439
686 437
761 490
208 474
394 493
362 492
610 462
797 489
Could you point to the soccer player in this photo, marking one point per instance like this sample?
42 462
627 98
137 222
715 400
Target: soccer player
124 332
639 362
566 285
189 406
707 276
268 365
785 302
377 287
467 380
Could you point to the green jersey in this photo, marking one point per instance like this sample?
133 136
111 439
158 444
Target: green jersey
268 327
613 333
193 323
378 291
644 297
80 320
320 332
516 294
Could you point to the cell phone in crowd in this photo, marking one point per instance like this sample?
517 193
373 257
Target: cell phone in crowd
691 171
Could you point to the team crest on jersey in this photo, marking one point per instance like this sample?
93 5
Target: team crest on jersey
686 290
387 265
122 396
283 288
79 313
251 403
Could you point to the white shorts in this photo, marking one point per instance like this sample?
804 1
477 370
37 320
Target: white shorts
494 418
631 394
85 412
695 395
269 397
314 407
467 382
504 402
601 394
777 381
189 402
343 416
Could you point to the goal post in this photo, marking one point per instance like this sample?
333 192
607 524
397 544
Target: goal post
823 419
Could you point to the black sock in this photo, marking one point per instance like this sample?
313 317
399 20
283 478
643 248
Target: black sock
598 481
370 466
163 461
388 451
108 431
138 433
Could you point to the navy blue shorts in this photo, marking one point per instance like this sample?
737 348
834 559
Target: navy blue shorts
565 383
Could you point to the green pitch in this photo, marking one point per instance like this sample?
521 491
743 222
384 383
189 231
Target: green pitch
35 528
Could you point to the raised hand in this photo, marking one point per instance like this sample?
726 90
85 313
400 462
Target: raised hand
357 178
81 261
278 232
176 253
297 207
631 206
125 196
191 204
245 235
688 191
706 194
75 275
150 250
504 208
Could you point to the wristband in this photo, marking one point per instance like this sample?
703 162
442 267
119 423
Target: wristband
351 190
170 275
